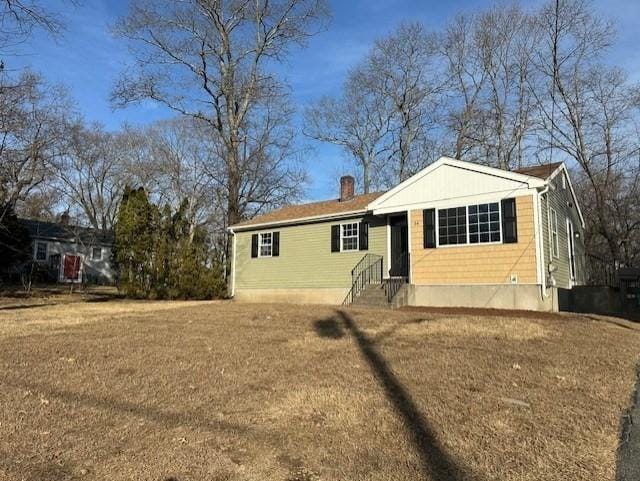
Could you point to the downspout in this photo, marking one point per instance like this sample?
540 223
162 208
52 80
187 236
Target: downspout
233 262
540 242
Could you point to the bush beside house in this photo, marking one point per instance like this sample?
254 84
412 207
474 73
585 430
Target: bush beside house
160 255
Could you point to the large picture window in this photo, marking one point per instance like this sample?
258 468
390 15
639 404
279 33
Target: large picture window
473 224
266 244
349 236
484 223
452 226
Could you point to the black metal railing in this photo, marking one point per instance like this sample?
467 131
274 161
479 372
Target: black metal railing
392 285
367 271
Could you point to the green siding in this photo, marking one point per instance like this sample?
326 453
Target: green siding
560 199
305 260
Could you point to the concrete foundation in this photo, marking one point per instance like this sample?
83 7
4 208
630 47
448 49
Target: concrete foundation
333 296
498 296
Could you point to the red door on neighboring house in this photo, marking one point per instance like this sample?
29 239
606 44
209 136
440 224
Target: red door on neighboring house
71 271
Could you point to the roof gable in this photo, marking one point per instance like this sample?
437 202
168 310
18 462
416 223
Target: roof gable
450 179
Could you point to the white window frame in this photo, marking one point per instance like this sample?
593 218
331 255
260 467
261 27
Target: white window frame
468 243
261 237
553 231
571 252
46 251
94 258
356 236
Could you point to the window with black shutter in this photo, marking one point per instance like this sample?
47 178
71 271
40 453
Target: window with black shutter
429 228
509 221
275 248
254 245
364 236
335 238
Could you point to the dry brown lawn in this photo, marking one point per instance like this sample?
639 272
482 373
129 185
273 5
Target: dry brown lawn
221 391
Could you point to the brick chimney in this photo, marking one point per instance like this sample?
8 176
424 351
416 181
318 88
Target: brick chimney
64 218
347 187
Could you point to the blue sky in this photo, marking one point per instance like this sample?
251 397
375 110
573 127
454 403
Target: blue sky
88 59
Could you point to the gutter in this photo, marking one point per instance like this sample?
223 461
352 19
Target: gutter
300 220
540 243
233 261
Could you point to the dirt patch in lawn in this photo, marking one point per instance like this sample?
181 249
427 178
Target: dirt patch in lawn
217 390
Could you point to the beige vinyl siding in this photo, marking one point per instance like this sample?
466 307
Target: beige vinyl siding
561 200
305 259
477 264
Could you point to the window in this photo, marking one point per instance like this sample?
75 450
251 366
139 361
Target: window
266 244
96 254
571 249
555 249
41 251
484 223
452 226
475 224
349 236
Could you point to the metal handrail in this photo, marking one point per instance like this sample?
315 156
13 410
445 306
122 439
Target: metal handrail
367 271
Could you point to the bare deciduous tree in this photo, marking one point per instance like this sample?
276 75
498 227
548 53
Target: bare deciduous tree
359 121
32 130
209 60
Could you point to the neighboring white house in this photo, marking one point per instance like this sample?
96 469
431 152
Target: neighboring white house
71 253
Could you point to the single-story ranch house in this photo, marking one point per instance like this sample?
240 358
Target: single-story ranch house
454 234
69 253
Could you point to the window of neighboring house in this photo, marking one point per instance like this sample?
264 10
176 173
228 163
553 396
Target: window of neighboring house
96 254
555 247
349 236
41 251
484 223
452 226
265 244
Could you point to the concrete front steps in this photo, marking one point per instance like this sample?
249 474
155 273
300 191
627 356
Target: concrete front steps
373 295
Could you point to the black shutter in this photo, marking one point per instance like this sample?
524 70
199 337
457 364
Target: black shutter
429 228
335 238
254 245
275 248
509 221
363 234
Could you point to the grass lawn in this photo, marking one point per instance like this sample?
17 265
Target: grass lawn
222 391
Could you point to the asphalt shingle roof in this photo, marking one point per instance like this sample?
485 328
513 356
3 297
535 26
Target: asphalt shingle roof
69 233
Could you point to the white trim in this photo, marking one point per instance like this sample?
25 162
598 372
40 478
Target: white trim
530 181
409 246
483 198
80 271
233 262
541 274
468 243
260 244
563 168
92 250
301 220
389 246
357 236
46 251
571 252
555 244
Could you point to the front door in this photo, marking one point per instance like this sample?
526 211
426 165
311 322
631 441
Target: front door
71 268
399 246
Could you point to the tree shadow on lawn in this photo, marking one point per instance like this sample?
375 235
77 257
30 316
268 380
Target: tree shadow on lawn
437 464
